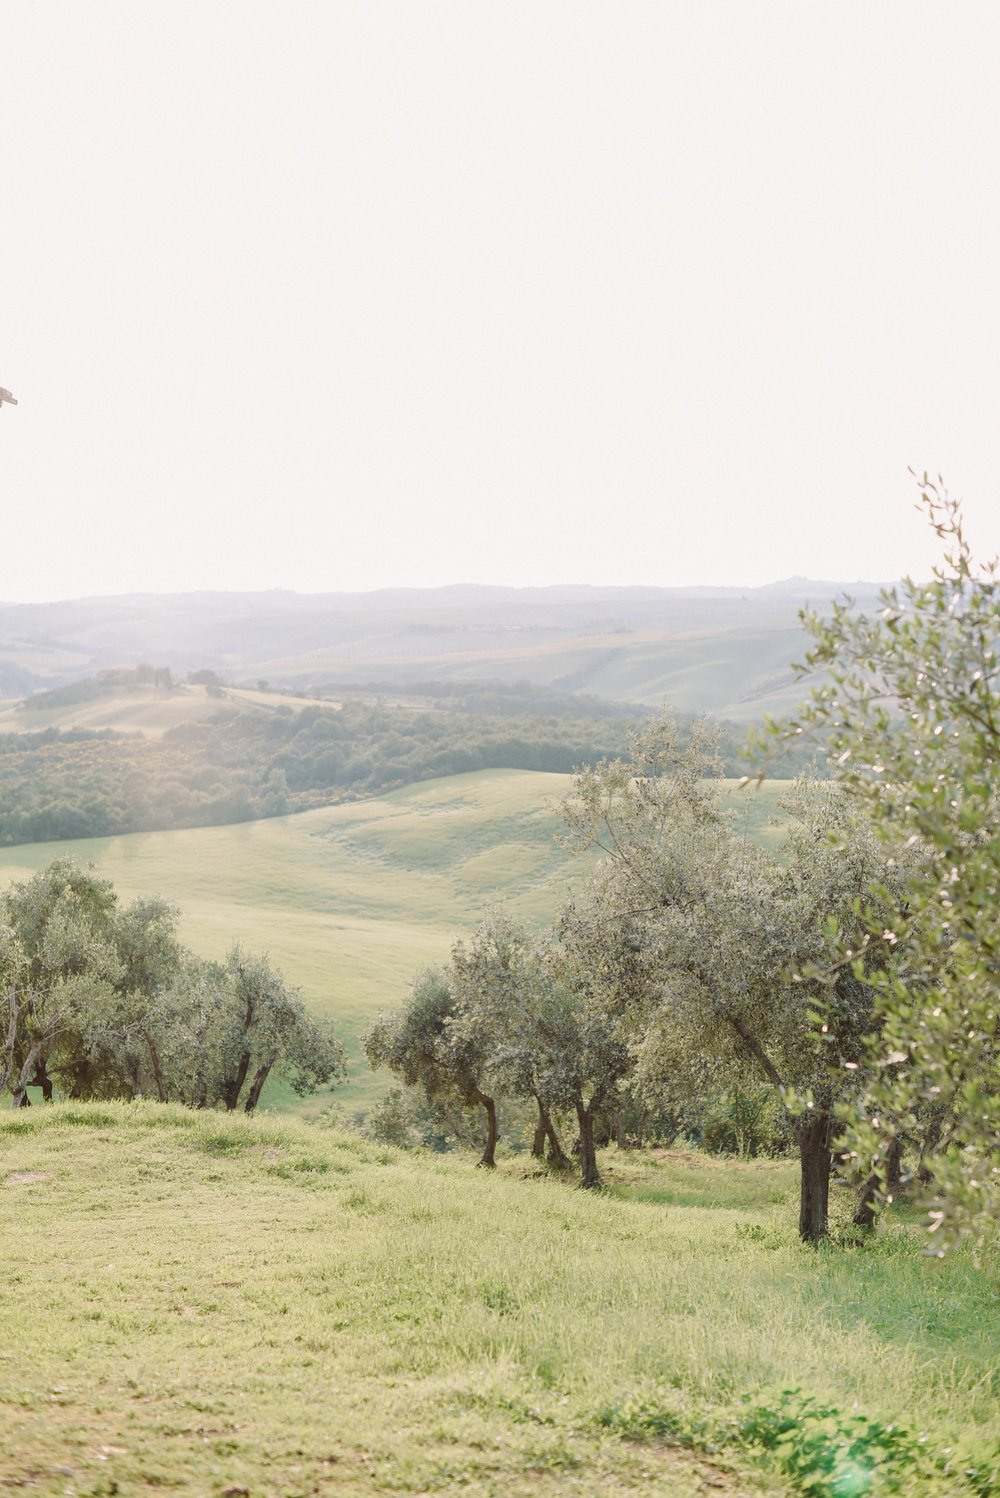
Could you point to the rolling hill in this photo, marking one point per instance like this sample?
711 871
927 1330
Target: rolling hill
722 650
141 709
351 900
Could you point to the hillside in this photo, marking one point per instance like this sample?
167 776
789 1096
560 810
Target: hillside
723 650
139 709
217 756
206 1304
351 900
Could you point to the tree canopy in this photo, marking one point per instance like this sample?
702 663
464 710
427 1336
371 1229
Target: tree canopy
909 701
102 1000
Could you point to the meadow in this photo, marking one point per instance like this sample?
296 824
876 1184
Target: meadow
350 901
142 709
200 1304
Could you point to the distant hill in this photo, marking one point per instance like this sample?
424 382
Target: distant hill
137 707
723 650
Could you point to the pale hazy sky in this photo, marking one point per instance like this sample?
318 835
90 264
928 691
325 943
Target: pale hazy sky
348 295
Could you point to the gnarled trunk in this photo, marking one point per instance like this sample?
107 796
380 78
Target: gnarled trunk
590 1178
489 1107
154 1057
234 1084
43 1080
21 1098
814 1132
538 1141
545 1131
557 1156
260 1077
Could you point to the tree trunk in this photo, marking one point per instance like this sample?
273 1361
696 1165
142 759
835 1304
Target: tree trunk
618 1129
489 1108
931 1140
872 1191
538 1142
813 1131
43 1080
234 1086
590 1179
21 1098
894 1167
154 1057
199 1097
260 1077
557 1156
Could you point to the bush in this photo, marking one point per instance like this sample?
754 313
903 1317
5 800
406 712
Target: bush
747 1123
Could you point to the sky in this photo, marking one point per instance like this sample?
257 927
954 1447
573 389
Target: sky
337 295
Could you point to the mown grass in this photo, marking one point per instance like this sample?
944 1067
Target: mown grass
199 1304
352 900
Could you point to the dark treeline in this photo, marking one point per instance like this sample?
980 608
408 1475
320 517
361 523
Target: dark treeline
249 764
246 763
505 698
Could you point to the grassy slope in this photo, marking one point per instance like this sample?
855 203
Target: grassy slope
351 900
143 709
207 1305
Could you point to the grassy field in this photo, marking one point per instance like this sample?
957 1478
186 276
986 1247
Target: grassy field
145 709
352 900
195 1304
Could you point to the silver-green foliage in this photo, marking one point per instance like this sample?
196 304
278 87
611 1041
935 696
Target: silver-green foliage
909 703
100 1000
736 941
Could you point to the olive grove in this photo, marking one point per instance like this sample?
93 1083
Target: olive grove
100 1000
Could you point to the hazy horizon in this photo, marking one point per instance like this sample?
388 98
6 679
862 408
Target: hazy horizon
794 585
346 298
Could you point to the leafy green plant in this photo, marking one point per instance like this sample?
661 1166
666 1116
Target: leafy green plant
823 1451
909 704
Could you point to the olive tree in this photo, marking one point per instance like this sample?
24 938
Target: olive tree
422 1045
222 1029
735 938
104 1001
63 966
500 982
908 700
584 1039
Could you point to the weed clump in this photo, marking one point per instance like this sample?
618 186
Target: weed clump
824 1451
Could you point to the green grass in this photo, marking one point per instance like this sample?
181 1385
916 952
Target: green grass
198 1304
144 709
352 900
